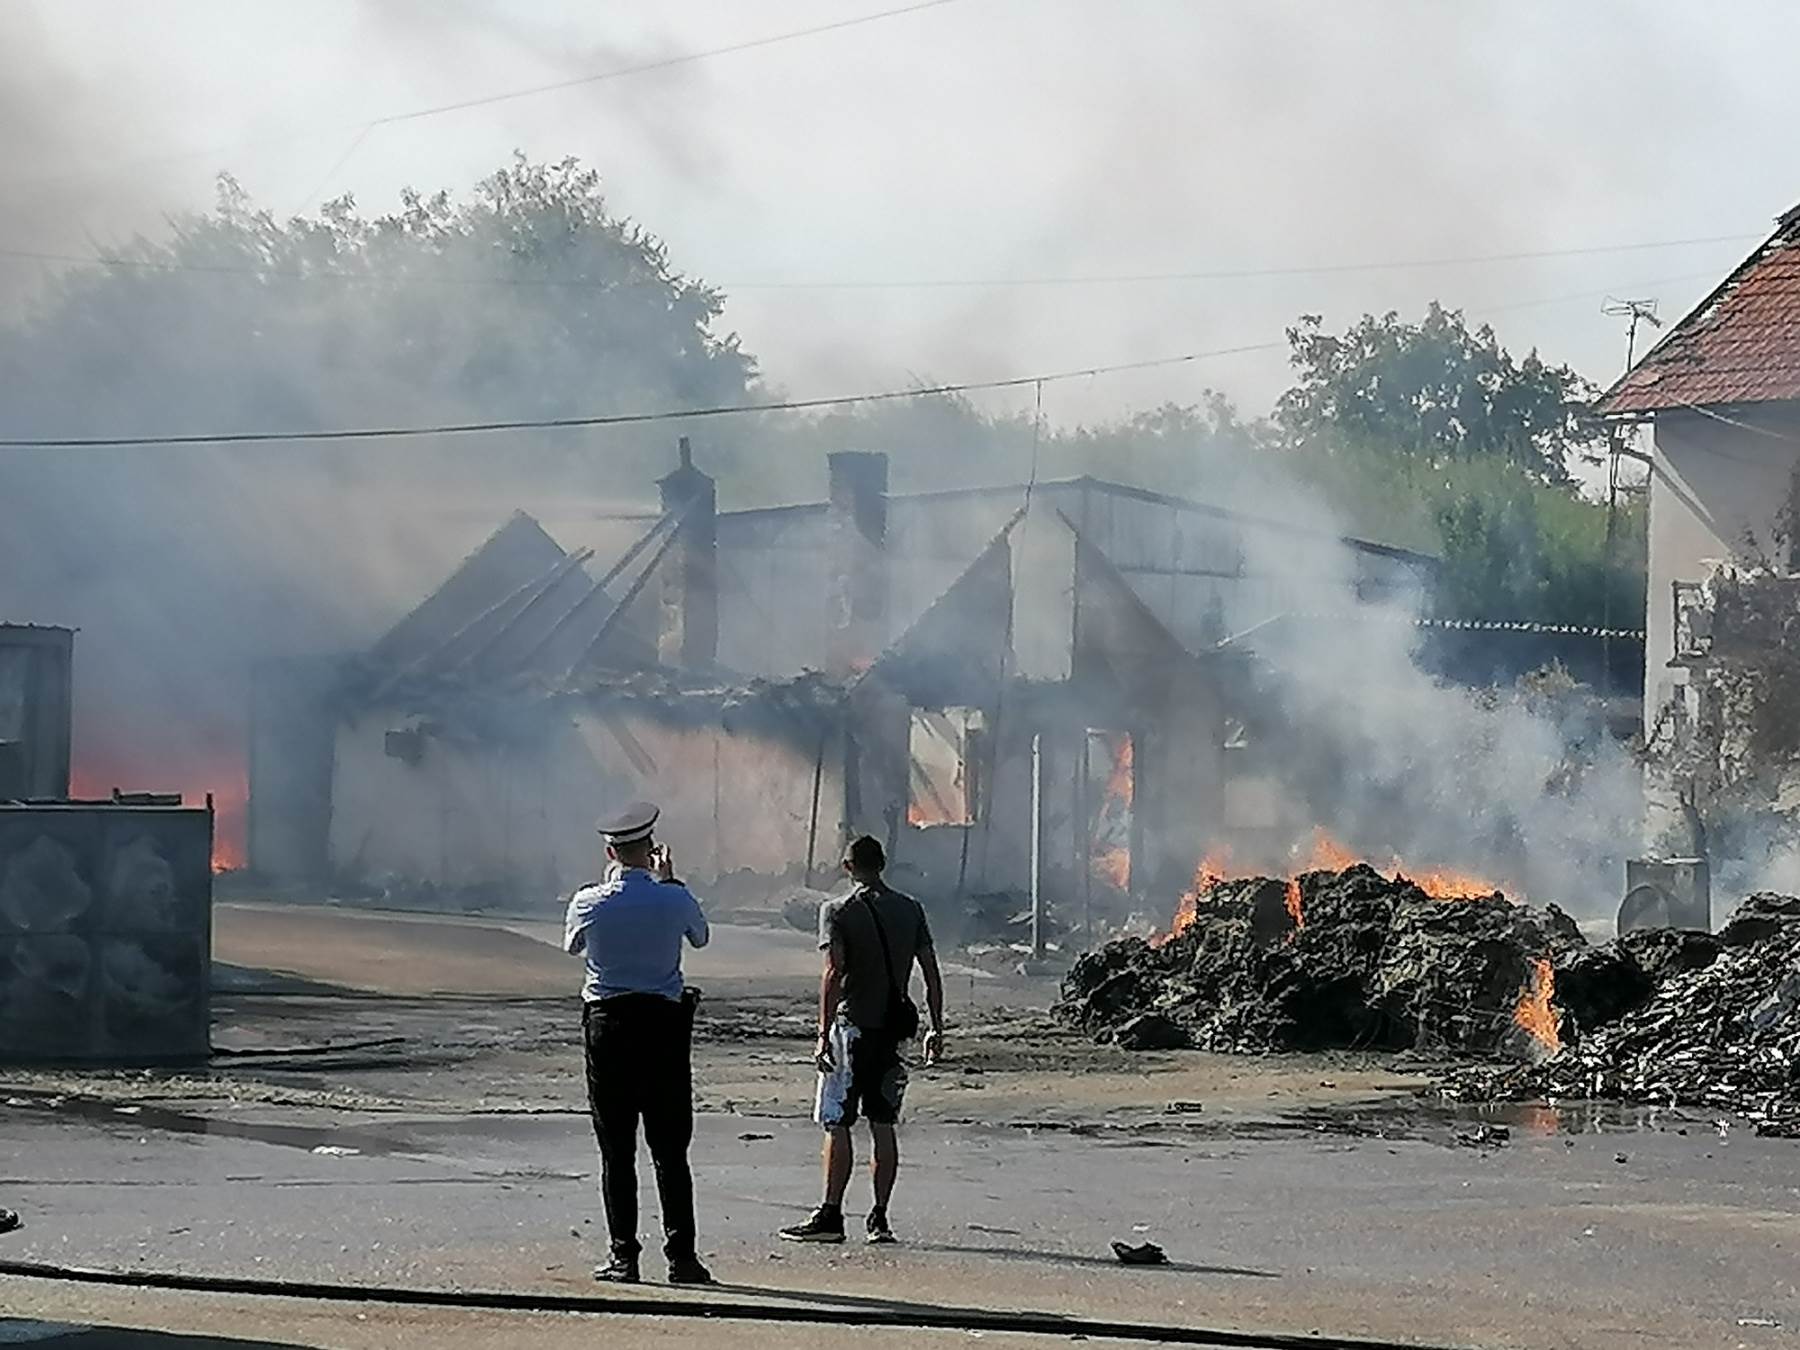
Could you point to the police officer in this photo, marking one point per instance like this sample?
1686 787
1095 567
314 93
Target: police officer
637 1022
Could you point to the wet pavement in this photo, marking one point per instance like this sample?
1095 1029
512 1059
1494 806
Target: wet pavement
1653 1225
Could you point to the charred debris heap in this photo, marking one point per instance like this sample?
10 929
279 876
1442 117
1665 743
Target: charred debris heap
1329 960
1358 960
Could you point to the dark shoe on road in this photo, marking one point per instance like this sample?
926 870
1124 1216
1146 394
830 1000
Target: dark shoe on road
824 1226
619 1270
879 1234
8 1221
688 1270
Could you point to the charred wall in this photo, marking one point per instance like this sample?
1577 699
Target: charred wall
509 818
35 683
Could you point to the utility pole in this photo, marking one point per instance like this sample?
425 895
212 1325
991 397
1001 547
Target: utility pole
1636 312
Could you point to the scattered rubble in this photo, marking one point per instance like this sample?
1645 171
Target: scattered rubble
1722 1032
1356 960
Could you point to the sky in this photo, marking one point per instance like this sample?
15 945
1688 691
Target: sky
977 141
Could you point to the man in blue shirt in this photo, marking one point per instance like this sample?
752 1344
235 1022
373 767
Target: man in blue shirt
637 1021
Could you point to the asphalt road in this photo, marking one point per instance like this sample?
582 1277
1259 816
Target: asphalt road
1640 1235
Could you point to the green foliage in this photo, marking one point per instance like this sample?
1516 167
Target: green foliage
527 299
530 299
1435 392
1432 436
945 441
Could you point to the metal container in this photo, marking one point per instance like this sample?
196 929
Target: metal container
34 710
105 932
1666 893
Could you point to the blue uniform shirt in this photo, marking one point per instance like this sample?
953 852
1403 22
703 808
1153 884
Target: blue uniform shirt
630 928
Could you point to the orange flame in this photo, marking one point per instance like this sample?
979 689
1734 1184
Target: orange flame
1113 866
1208 875
1325 854
228 783
1111 862
1119 784
1533 1014
1442 885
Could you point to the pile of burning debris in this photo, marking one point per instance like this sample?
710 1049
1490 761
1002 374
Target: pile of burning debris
1717 1024
1354 959
1345 959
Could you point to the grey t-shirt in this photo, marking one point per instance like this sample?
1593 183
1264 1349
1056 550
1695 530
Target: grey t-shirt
848 921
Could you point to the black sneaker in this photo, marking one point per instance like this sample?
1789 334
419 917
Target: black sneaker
879 1234
619 1270
688 1270
826 1225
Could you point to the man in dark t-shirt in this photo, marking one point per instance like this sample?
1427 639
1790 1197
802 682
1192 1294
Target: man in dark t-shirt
871 939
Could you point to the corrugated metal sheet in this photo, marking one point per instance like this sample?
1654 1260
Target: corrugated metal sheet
1742 345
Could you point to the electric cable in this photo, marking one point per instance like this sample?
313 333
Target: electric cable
616 419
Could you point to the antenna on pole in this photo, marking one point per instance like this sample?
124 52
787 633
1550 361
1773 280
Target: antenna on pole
1636 312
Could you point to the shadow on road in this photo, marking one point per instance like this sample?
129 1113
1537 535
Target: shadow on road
1108 1262
124 1338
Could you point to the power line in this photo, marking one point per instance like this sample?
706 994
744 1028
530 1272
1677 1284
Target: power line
453 279
664 63
415 114
1229 274
618 419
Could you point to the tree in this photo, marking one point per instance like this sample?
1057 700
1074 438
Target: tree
529 299
1436 392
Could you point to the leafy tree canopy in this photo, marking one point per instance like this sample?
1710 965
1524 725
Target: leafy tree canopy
529 298
1435 392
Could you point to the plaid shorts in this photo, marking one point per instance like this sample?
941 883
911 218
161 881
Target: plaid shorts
867 1078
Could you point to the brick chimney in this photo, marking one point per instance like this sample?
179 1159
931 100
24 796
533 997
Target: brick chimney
687 634
857 591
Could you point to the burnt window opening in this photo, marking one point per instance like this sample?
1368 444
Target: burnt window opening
944 755
1112 798
406 746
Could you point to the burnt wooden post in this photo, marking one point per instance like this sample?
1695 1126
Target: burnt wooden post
687 634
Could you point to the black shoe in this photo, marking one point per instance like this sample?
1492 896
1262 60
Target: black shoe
826 1225
688 1270
879 1234
619 1270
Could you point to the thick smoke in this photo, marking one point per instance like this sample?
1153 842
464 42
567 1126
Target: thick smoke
183 566
1527 792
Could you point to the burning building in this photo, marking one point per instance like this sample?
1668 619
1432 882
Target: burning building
1019 689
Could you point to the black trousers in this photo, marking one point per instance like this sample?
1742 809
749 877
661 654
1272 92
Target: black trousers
638 1068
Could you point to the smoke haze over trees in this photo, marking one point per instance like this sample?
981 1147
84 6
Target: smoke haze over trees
529 298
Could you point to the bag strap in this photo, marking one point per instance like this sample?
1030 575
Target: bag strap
887 956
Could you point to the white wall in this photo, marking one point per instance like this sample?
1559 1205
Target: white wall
1716 491
523 817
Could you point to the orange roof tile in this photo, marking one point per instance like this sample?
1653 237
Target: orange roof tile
1741 345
